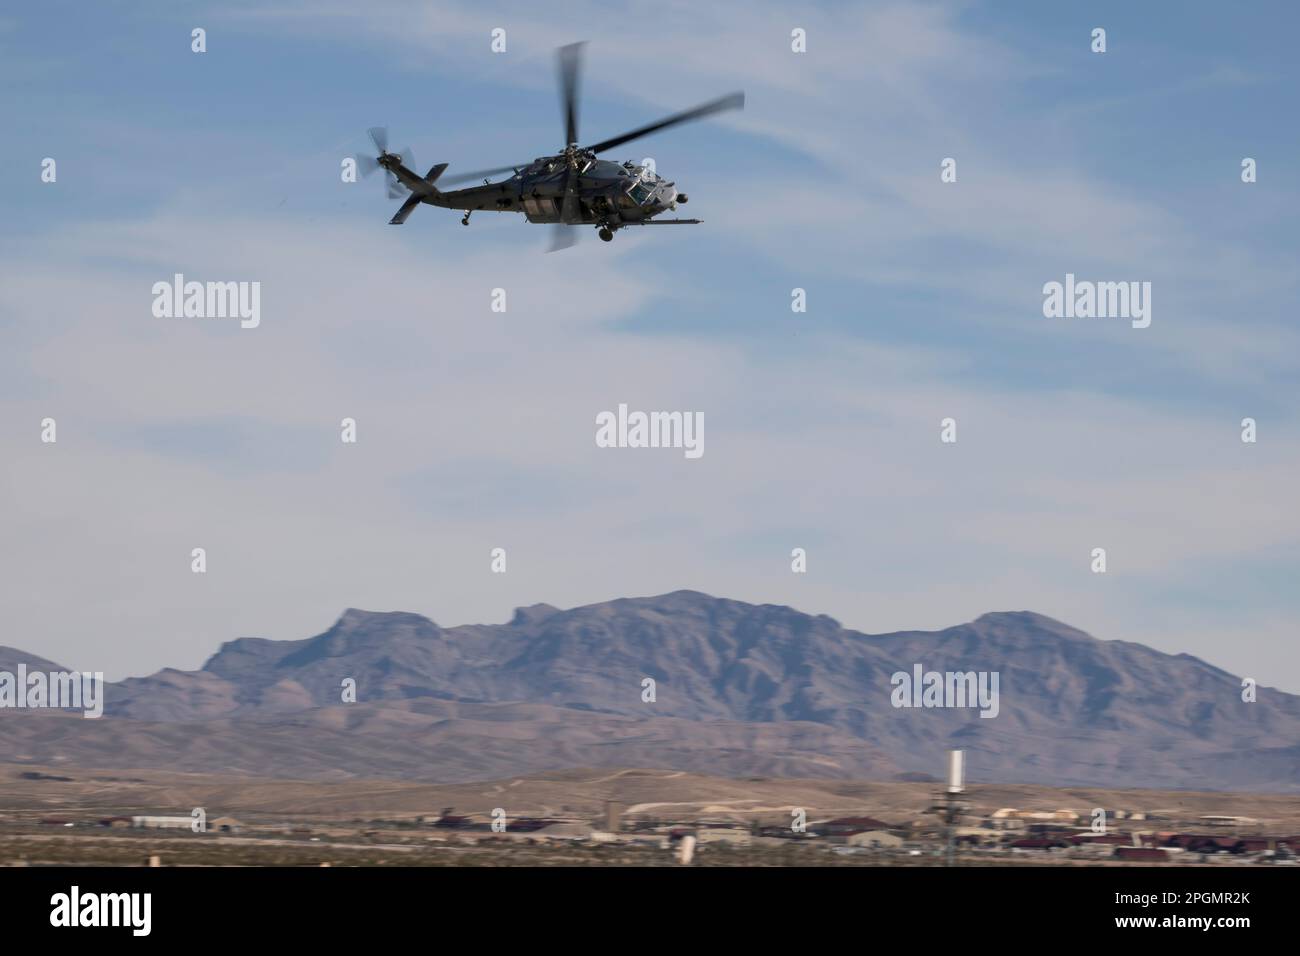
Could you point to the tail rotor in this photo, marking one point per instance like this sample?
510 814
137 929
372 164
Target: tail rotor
367 165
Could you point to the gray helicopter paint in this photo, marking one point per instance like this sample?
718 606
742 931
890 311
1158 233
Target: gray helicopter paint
605 192
570 188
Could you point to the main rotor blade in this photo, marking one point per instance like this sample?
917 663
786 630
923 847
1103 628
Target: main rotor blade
565 232
569 209
569 63
480 174
733 101
563 236
379 136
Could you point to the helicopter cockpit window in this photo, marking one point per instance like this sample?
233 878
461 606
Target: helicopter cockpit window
641 193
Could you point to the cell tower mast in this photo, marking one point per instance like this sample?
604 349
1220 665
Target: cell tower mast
955 788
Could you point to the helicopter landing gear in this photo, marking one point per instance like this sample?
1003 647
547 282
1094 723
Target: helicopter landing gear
465 219
605 233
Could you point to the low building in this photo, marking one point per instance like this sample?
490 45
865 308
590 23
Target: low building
1201 843
529 824
1223 820
1040 816
782 833
1147 854
1087 849
732 836
876 839
162 823
564 831
1255 845
1038 843
975 836
847 826
451 821
1102 839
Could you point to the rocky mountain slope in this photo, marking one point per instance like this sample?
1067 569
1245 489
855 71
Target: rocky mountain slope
740 689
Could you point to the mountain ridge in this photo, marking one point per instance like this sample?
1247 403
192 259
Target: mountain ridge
1073 708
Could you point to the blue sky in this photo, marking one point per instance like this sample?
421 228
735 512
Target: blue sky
476 428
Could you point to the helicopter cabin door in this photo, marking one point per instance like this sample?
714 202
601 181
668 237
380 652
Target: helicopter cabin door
542 209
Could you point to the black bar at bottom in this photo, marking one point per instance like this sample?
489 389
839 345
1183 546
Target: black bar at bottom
733 905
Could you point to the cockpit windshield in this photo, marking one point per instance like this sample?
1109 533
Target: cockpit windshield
641 192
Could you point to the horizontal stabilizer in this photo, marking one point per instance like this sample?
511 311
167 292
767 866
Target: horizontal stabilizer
411 202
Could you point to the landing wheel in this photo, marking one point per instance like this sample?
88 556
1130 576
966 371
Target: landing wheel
605 234
465 221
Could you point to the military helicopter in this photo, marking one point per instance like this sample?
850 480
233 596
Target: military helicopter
571 188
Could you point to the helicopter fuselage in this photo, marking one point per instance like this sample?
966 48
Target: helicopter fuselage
607 193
